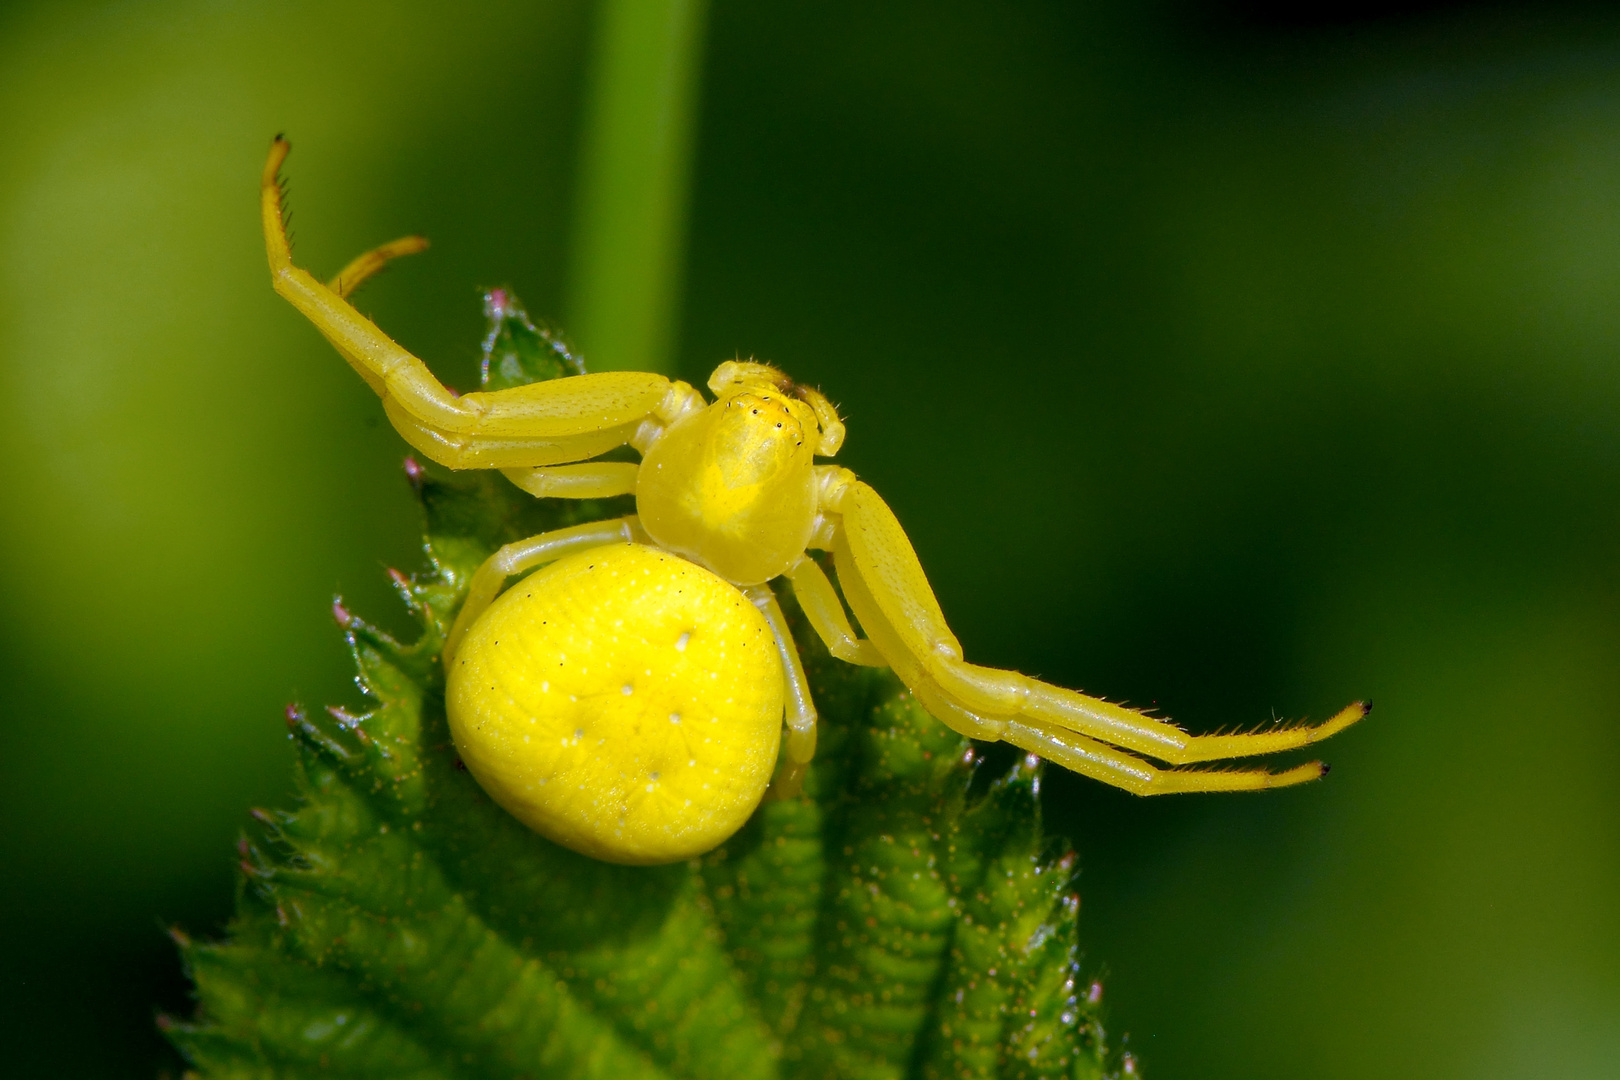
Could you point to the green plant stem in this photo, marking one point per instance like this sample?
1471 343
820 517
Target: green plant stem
630 210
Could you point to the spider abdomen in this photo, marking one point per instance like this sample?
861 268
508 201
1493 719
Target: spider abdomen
623 702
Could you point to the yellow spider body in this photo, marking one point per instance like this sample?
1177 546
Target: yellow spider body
622 701
733 486
572 698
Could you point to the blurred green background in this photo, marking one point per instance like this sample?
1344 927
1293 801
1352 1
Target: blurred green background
1216 357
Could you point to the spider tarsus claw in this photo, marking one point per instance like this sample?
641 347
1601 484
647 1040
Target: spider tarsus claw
340 613
414 472
1325 767
1366 707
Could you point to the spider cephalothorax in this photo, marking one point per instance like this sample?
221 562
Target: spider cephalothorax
733 485
627 698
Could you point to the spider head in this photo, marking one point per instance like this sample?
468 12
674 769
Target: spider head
732 486
816 416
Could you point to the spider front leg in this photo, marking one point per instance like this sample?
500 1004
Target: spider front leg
885 586
351 277
592 480
542 424
1073 751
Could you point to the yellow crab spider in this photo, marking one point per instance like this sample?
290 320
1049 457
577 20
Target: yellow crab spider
627 698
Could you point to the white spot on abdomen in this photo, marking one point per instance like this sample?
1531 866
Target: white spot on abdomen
680 642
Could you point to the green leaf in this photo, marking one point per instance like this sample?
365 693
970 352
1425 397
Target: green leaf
516 351
904 918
